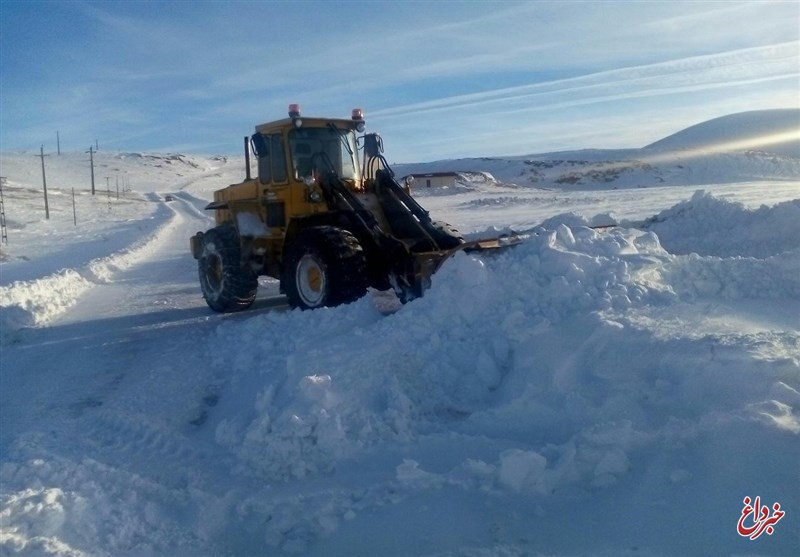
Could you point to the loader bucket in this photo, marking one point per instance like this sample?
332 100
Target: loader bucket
426 264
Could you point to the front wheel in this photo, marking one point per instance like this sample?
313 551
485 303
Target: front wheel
324 266
227 284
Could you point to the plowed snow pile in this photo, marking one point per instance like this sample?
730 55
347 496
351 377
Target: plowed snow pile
580 374
586 392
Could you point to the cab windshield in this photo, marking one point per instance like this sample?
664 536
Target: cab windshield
316 150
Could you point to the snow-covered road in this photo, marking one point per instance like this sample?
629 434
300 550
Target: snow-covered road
108 402
129 308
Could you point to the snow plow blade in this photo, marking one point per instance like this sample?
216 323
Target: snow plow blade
490 244
426 264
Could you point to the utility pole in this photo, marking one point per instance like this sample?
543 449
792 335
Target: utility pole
58 142
96 145
91 161
44 184
3 228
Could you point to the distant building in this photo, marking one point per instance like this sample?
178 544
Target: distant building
434 179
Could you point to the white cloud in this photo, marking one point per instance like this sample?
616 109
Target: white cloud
754 65
514 66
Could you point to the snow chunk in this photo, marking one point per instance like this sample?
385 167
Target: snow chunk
523 470
249 224
777 414
410 473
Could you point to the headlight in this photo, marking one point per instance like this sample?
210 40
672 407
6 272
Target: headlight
358 117
315 196
294 114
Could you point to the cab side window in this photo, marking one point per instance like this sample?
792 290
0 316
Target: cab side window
271 158
278 159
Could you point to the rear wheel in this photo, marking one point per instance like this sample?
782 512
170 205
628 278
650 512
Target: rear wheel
227 284
324 266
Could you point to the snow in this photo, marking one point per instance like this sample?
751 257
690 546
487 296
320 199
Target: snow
775 131
612 391
744 147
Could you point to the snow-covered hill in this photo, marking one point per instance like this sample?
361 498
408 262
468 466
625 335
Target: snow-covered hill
760 145
584 393
117 171
769 131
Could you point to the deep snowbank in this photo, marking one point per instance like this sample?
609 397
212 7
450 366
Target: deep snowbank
28 303
709 225
545 369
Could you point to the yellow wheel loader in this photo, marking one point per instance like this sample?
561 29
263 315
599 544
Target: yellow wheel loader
323 219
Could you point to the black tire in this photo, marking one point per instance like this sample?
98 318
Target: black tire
324 267
226 283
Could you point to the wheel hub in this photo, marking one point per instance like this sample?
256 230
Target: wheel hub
310 278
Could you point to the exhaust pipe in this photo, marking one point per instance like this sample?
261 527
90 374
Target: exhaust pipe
246 158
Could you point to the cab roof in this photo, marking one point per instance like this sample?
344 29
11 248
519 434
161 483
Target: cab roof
308 122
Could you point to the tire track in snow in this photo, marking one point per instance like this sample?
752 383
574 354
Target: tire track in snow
105 447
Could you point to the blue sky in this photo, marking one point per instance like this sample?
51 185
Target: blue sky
436 79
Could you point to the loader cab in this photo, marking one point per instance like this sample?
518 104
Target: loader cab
295 150
315 150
